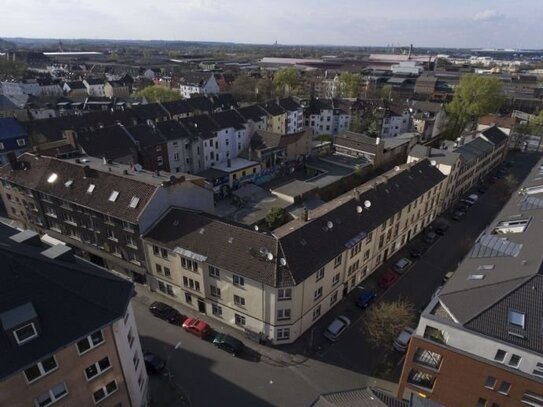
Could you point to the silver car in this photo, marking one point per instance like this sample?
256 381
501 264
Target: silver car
337 327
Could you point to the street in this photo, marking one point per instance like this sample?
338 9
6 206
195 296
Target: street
296 374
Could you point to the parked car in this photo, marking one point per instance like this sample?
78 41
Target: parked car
365 298
228 343
153 363
166 312
442 227
458 215
337 327
470 199
402 341
402 265
197 327
388 279
430 237
417 250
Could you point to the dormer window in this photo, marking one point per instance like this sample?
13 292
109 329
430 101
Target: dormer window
90 188
25 333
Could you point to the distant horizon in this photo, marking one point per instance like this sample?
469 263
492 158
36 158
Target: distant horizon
462 24
391 46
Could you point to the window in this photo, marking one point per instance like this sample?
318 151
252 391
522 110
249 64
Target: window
134 201
111 235
515 360
167 272
105 391
368 239
21 142
317 312
52 396
188 298
158 268
283 334
491 382
500 355
114 195
239 281
366 255
130 337
215 291
516 318
97 368
190 283
189 264
337 261
356 249
335 279
239 301
504 388
25 333
317 294
176 156
283 314
156 250
216 310
284 294
136 360
40 369
481 402
164 253
333 298
532 399
538 371
90 342
214 272
421 379
240 319
320 274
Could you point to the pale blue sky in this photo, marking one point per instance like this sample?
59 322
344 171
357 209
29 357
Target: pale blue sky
450 23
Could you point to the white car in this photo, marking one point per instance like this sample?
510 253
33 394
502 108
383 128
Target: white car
402 265
337 327
402 341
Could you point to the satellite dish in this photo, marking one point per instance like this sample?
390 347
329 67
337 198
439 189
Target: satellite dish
358 209
270 256
256 228
367 204
330 224
264 251
282 262
138 167
396 168
433 163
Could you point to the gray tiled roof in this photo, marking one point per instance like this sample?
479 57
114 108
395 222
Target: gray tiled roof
71 300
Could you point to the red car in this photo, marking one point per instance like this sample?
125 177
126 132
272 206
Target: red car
196 327
388 279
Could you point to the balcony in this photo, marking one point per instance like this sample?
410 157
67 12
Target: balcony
428 358
435 335
421 379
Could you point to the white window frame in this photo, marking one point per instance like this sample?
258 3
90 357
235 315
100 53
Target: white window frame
283 314
20 342
43 373
283 334
239 301
21 142
317 294
52 396
213 271
106 394
242 321
238 280
514 316
99 370
92 346
284 294
320 274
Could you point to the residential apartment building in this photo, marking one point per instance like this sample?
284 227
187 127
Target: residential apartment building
324 117
276 286
99 208
199 83
182 146
14 139
429 118
273 150
95 86
67 329
285 116
396 121
478 342
116 89
468 163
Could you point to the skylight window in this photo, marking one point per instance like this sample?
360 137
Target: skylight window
52 178
134 202
69 183
114 195
90 188
486 267
516 318
512 226
476 276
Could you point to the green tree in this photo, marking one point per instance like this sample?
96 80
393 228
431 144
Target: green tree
349 84
535 126
11 68
285 81
475 96
264 89
356 123
372 128
244 88
387 93
386 319
146 53
275 218
158 94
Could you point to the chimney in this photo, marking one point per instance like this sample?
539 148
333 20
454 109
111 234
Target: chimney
13 163
410 51
104 160
87 171
305 215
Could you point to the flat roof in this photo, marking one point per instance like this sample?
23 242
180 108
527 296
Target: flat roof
236 164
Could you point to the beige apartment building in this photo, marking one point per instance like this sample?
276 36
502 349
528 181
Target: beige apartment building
67 329
275 286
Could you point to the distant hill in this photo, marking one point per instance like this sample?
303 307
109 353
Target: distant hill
6 44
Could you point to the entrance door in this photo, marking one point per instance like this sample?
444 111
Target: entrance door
201 306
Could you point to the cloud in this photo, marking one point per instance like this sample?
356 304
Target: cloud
488 15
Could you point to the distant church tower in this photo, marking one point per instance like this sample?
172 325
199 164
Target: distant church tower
60 46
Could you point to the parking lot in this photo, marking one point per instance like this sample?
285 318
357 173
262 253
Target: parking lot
295 374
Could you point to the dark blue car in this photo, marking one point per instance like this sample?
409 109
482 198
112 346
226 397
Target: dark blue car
365 298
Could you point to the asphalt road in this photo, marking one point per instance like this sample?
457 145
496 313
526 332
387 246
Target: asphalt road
204 375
